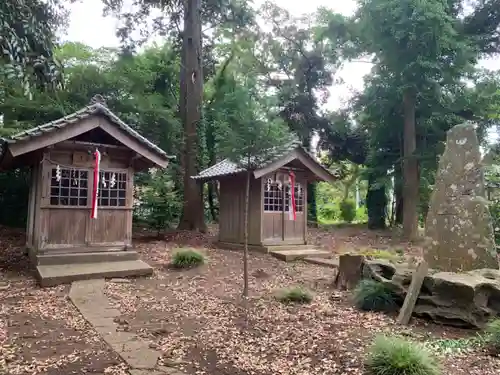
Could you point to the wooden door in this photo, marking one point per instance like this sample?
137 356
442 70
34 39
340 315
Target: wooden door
294 230
272 216
277 226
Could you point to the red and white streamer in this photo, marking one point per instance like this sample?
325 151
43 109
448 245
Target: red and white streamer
292 212
95 190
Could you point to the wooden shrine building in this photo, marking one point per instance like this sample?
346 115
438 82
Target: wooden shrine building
272 224
64 242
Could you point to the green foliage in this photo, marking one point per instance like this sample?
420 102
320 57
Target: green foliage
28 34
187 258
295 295
379 254
492 337
348 210
330 212
248 134
14 191
454 346
495 217
492 178
376 203
160 205
395 356
362 214
372 295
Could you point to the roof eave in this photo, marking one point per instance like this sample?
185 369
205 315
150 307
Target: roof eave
215 177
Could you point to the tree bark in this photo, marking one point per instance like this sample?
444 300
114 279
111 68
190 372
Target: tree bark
191 91
410 168
398 195
211 201
245 249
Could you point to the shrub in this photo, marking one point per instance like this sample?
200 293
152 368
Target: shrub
160 205
362 214
495 218
395 356
348 210
329 212
492 337
372 295
187 258
295 295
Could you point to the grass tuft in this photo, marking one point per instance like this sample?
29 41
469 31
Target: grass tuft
396 356
492 337
187 258
295 295
372 295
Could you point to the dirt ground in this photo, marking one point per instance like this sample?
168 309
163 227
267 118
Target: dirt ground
41 332
197 319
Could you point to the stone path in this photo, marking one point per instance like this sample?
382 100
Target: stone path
89 298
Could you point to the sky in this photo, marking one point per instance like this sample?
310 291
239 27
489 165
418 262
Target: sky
100 32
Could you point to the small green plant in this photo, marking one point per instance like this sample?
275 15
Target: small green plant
348 210
492 337
371 295
400 251
449 346
187 258
379 254
295 295
396 356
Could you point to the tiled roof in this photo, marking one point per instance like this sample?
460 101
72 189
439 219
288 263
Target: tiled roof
90 110
227 167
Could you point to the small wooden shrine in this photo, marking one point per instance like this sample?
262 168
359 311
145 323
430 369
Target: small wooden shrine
277 201
81 194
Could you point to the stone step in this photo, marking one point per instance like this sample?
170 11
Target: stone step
330 263
291 255
51 275
290 247
87 257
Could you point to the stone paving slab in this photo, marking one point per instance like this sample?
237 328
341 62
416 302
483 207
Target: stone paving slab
296 254
89 298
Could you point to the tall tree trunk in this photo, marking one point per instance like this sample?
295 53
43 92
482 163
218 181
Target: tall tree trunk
410 168
212 187
191 91
312 209
211 201
245 249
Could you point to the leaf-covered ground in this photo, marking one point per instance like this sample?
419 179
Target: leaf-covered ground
41 332
197 319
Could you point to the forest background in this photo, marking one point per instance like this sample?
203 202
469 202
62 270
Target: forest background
256 66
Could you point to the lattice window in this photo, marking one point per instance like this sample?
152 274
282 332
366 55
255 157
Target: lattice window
299 198
69 187
113 189
273 197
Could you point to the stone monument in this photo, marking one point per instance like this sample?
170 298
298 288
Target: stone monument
458 229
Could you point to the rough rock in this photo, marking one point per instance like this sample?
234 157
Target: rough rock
468 299
459 231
